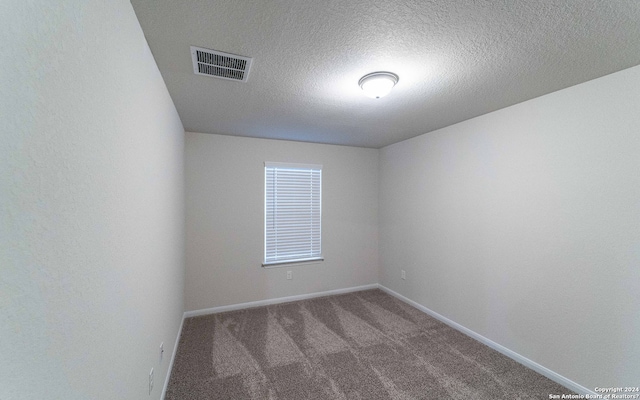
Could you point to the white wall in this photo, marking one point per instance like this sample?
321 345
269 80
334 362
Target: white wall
92 204
523 225
225 220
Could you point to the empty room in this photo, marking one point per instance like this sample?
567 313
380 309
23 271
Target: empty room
298 199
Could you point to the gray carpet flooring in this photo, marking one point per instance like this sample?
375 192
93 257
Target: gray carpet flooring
364 345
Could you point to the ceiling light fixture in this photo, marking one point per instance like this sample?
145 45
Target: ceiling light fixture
378 84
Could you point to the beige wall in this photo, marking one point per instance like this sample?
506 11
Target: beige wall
225 220
92 204
523 225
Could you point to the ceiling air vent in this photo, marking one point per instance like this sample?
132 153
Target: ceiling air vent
220 65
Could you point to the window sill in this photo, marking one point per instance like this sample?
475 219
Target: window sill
293 262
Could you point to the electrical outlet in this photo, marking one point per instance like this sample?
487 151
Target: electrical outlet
161 351
150 381
403 275
289 275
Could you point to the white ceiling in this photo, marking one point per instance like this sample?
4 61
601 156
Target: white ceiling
456 59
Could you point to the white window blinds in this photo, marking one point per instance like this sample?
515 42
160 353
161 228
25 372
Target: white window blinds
293 208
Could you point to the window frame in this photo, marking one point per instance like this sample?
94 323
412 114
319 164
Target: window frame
313 257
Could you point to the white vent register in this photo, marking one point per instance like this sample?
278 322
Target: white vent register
220 65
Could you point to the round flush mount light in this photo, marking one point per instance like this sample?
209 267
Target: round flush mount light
378 84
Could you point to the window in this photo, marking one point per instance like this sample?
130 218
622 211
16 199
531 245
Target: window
292 213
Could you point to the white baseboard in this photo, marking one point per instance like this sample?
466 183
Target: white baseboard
173 357
568 383
241 306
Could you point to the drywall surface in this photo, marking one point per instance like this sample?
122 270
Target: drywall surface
523 225
92 204
225 220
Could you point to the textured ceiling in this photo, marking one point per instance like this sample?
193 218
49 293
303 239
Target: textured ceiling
456 59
